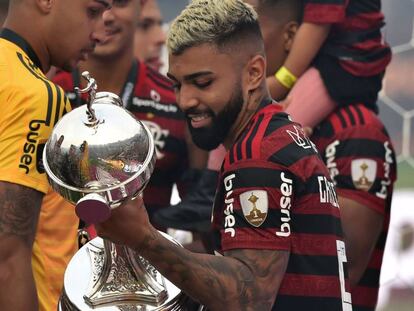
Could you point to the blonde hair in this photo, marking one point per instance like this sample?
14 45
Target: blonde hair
212 21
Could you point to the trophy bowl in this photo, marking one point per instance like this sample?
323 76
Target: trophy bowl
99 155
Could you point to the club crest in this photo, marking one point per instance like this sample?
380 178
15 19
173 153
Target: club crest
363 173
254 204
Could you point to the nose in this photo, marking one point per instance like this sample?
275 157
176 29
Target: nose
186 99
99 35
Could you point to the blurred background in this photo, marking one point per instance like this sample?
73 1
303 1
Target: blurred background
397 112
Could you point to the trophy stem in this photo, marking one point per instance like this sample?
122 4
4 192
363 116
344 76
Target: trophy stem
119 275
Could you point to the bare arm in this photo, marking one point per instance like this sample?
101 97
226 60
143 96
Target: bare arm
362 227
19 212
240 280
306 45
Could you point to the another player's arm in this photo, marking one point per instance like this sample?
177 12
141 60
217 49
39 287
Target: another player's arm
362 227
241 280
19 212
306 45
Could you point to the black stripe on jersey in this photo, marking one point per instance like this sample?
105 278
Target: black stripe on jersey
308 303
325 130
370 278
58 99
359 113
313 265
301 223
350 115
341 118
290 154
231 156
258 177
361 147
278 120
363 6
48 87
252 136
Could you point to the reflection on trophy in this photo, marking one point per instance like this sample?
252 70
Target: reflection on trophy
98 156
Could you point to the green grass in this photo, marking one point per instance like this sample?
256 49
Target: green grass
405 176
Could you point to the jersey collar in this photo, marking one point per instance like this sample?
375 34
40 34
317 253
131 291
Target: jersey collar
13 37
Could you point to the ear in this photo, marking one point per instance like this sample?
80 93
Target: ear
289 32
45 6
255 72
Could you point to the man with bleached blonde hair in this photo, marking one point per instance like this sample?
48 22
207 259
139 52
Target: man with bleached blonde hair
281 245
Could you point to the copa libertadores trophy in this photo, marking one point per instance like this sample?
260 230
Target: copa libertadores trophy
98 156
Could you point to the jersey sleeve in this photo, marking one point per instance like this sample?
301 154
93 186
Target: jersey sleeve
254 204
324 11
363 167
27 122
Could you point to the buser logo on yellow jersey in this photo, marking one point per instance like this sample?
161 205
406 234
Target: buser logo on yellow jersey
32 148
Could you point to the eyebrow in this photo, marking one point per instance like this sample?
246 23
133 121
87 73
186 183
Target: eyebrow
105 3
191 76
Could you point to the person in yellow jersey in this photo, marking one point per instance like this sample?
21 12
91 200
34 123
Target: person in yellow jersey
36 35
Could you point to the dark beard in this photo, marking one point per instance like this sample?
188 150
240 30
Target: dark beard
209 138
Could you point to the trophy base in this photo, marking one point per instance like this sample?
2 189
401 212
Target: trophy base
77 285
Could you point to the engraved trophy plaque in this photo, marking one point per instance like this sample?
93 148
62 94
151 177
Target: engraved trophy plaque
97 156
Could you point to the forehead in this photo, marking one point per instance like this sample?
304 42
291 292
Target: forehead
150 9
204 57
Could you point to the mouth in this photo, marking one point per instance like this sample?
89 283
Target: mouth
199 120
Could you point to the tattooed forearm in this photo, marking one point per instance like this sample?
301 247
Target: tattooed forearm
19 211
241 280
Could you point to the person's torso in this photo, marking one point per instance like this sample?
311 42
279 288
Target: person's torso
31 105
361 160
275 193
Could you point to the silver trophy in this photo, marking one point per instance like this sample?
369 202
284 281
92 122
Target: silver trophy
97 156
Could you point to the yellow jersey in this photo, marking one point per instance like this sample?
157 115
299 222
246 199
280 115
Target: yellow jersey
30 107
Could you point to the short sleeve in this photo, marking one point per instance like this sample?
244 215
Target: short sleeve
254 206
364 169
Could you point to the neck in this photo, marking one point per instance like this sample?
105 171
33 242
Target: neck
18 20
248 111
110 74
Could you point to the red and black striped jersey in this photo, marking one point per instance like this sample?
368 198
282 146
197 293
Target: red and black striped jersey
275 193
360 157
150 97
355 38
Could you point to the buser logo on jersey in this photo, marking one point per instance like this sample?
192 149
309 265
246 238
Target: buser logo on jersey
229 220
29 147
286 189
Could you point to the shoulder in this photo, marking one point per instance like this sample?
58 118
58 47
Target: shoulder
272 138
154 85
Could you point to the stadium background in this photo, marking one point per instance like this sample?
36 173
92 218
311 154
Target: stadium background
397 111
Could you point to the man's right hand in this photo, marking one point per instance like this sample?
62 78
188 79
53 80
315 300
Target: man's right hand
128 224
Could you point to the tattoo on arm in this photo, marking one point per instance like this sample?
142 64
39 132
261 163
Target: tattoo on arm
241 280
19 211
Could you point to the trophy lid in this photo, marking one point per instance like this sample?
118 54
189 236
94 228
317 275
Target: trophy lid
97 148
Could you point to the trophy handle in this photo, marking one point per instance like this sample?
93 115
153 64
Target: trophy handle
93 208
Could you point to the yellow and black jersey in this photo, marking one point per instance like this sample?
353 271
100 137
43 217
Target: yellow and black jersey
30 106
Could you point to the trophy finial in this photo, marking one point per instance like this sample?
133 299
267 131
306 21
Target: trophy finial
90 88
